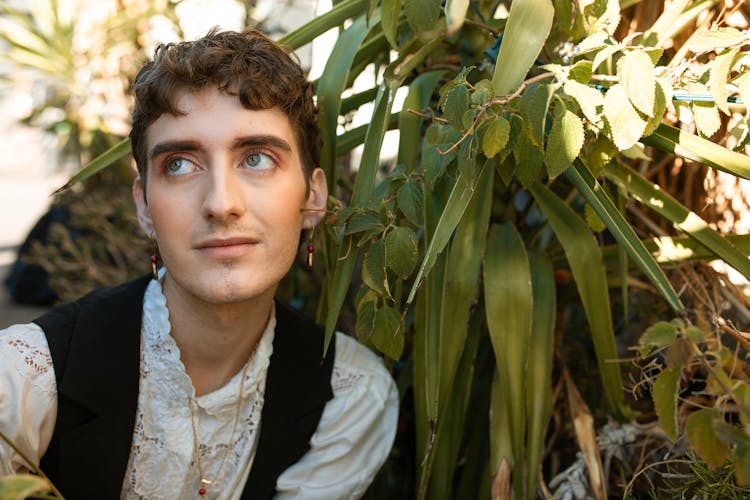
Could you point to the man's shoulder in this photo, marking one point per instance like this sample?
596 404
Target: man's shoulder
357 368
99 301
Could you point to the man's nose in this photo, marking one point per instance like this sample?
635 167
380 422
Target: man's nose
223 198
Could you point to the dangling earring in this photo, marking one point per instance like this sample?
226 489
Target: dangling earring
154 258
310 248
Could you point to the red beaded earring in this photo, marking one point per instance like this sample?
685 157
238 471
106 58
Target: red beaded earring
154 259
310 248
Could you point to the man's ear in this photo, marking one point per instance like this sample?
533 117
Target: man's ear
144 214
317 199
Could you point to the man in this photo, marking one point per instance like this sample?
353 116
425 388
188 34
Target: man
194 383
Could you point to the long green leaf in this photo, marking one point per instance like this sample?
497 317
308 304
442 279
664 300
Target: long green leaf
682 218
113 154
330 87
670 250
461 286
501 439
509 307
427 356
459 199
539 364
692 147
585 259
623 232
450 297
409 124
453 420
528 26
335 17
363 186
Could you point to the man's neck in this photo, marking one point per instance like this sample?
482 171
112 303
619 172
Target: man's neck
215 340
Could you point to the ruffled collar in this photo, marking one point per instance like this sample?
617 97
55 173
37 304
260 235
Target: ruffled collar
161 355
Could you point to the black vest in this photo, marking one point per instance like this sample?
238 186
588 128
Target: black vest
95 346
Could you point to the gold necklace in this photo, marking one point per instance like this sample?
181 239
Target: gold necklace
206 483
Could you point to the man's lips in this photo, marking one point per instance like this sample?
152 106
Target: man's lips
226 248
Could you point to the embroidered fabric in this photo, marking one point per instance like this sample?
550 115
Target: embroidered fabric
27 383
161 444
32 355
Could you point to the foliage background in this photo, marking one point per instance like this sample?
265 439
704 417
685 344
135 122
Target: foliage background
530 261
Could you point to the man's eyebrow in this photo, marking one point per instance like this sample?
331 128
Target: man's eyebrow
239 143
261 140
172 146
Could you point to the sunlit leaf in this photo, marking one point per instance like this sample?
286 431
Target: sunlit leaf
707 118
495 136
661 100
20 486
693 147
455 14
589 99
637 78
564 142
604 54
626 124
719 74
306 33
581 71
683 219
743 84
528 25
715 39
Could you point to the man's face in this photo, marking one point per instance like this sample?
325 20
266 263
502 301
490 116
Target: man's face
225 197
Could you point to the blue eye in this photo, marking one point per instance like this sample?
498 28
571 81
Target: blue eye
179 166
257 161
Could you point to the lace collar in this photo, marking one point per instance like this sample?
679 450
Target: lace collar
161 357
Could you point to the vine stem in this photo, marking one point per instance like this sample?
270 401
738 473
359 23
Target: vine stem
35 467
483 110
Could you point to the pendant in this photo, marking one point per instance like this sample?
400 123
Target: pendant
204 483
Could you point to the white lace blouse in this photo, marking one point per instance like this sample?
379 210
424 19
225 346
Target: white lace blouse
353 438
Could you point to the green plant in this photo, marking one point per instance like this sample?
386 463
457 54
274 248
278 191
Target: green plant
513 164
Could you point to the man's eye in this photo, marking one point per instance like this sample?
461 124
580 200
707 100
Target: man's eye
257 161
177 166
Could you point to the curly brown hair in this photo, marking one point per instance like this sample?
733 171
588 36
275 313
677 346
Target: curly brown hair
249 65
